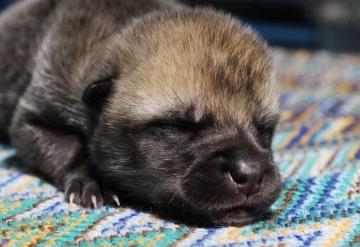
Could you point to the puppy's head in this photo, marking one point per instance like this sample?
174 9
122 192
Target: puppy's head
190 117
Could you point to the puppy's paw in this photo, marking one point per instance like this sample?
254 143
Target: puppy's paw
84 191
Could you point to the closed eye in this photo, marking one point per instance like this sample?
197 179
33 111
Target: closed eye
264 134
176 121
174 124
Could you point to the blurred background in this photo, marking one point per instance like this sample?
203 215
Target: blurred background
321 24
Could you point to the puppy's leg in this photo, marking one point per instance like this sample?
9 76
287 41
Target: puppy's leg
59 156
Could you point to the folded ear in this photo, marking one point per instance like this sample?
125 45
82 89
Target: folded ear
96 94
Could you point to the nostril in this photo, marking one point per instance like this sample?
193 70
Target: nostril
247 176
239 178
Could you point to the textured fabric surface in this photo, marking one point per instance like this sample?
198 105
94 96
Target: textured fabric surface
317 147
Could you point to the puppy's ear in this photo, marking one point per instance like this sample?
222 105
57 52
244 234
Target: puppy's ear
96 94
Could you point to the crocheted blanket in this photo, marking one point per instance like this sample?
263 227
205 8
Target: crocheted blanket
317 147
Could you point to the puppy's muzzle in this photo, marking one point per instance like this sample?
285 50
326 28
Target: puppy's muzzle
246 174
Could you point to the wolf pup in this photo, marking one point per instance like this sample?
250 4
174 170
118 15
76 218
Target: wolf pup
149 101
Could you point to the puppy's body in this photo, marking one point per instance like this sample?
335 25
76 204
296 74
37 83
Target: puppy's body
147 98
60 35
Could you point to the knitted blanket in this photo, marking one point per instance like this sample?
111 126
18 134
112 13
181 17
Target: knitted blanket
317 147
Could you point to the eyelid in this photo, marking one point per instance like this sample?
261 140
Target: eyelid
187 124
179 124
268 120
269 124
167 122
265 128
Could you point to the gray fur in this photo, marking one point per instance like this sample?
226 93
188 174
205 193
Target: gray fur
54 50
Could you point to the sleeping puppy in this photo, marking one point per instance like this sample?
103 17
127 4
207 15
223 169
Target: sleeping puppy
148 101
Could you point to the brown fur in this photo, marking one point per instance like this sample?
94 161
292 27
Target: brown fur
203 59
149 100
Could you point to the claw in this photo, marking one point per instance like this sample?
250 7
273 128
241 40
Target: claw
71 199
94 201
73 206
116 200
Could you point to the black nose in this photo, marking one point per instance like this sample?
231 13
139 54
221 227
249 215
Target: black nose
248 177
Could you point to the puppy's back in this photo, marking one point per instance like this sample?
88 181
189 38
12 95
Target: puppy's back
21 28
71 26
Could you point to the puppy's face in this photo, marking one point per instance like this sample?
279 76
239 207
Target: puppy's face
189 124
